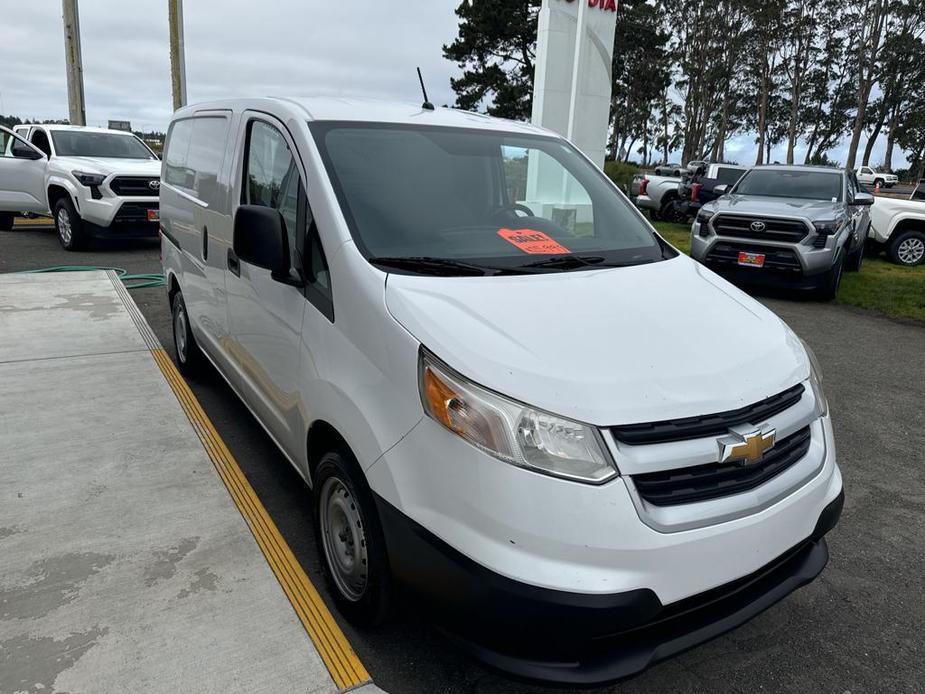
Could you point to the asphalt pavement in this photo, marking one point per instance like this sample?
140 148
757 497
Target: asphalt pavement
858 628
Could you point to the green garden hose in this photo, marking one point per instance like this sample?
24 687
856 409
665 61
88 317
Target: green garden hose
150 279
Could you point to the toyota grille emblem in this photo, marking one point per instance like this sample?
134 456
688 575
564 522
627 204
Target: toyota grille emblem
154 184
758 225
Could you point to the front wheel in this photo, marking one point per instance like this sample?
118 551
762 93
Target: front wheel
69 226
908 248
829 288
878 183
349 537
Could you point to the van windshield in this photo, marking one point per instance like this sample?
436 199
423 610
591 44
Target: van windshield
74 143
435 200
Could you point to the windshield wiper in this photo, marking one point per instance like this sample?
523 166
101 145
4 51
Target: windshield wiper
568 262
572 262
446 266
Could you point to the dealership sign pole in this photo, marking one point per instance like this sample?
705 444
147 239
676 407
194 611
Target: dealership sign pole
571 95
574 71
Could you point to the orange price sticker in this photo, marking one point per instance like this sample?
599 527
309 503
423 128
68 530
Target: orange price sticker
532 241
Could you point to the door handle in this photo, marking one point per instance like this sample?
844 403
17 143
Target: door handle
234 265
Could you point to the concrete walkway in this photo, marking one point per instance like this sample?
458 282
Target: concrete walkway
125 565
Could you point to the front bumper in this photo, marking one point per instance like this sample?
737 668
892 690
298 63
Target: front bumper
584 639
809 270
123 219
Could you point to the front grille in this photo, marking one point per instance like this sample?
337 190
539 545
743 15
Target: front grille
138 186
133 212
774 229
775 258
707 425
714 480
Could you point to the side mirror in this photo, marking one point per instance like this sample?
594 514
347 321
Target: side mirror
23 151
863 199
260 239
720 189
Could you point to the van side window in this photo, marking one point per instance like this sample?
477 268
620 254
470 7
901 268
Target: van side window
40 140
194 156
318 278
272 180
175 155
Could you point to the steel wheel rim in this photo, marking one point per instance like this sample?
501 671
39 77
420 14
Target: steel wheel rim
911 251
179 333
64 225
344 539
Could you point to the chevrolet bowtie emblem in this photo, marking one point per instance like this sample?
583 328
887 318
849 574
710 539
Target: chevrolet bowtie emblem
746 448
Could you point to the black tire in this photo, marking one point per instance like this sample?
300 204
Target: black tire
907 248
856 259
873 248
6 221
829 288
670 210
879 182
654 215
359 581
189 358
69 226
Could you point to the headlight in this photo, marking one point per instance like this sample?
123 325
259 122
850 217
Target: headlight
815 381
511 431
830 228
88 179
704 216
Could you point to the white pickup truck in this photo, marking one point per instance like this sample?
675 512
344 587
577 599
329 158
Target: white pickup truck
655 194
93 182
898 226
869 176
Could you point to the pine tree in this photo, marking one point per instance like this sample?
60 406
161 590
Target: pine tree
495 50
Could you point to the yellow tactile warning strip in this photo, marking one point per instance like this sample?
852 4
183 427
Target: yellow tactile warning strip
33 221
342 662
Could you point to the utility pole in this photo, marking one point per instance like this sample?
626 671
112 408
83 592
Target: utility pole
77 113
177 53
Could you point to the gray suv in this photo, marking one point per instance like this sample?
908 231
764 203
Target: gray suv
787 226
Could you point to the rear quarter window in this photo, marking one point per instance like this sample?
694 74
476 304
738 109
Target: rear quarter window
194 155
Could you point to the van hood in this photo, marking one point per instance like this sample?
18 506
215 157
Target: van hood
606 347
813 210
110 165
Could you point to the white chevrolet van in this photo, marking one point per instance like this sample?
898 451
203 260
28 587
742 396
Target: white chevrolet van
583 450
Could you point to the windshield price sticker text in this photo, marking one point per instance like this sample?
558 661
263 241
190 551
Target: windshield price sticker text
532 241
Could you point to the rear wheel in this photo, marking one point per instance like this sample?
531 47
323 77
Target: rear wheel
350 539
908 248
671 211
69 226
6 221
189 359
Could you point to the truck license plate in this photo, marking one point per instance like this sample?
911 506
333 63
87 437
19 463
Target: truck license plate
751 259
154 215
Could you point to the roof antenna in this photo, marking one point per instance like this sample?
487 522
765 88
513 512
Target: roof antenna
427 106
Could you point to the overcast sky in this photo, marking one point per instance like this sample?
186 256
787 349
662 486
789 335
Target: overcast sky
233 48
240 48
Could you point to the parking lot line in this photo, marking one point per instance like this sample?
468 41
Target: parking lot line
335 650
